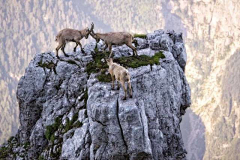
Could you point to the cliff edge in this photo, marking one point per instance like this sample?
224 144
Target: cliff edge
69 111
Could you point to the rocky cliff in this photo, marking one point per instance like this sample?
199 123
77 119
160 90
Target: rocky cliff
69 111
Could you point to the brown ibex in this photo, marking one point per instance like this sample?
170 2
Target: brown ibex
114 38
121 74
71 35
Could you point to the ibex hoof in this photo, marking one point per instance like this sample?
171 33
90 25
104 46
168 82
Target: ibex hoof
130 96
124 98
66 55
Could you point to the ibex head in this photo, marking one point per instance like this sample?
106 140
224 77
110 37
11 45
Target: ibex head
109 61
93 34
87 31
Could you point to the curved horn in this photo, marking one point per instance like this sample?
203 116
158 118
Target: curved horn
92 27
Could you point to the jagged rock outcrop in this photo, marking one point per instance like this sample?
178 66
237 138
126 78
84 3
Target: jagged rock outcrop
67 113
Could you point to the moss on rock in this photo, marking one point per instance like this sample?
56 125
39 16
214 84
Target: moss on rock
98 65
144 36
143 60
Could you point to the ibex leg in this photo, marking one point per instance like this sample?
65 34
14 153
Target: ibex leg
130 88
74 50
113 79
81 47
133 48
125 90
63 47
58 47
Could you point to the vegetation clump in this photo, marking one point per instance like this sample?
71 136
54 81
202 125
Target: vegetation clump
142 60
49 65
49 134
144 36
7 148
104 77
41 157
72 123
78 124
98 65
4 152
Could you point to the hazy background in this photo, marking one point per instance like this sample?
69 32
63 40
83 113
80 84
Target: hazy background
211 127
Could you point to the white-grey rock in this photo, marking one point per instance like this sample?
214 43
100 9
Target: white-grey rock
141 43
67 114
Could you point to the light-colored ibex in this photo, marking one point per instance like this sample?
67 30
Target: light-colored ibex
121 74
71 35
114 38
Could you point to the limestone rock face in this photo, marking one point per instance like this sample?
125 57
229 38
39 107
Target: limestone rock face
67 113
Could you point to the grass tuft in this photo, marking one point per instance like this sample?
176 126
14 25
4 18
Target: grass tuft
104 77
144 36
99 66
71 124
41 158
52 128
143 60
4 152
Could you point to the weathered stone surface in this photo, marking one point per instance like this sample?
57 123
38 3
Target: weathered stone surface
75 146
67 114
141 43
179 53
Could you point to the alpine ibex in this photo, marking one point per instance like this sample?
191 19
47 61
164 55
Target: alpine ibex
121 74
114 38
71 35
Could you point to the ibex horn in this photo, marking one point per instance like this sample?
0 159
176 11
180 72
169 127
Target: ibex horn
92 26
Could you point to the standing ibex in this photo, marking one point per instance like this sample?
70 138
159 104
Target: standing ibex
121 74
114 38
71 35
